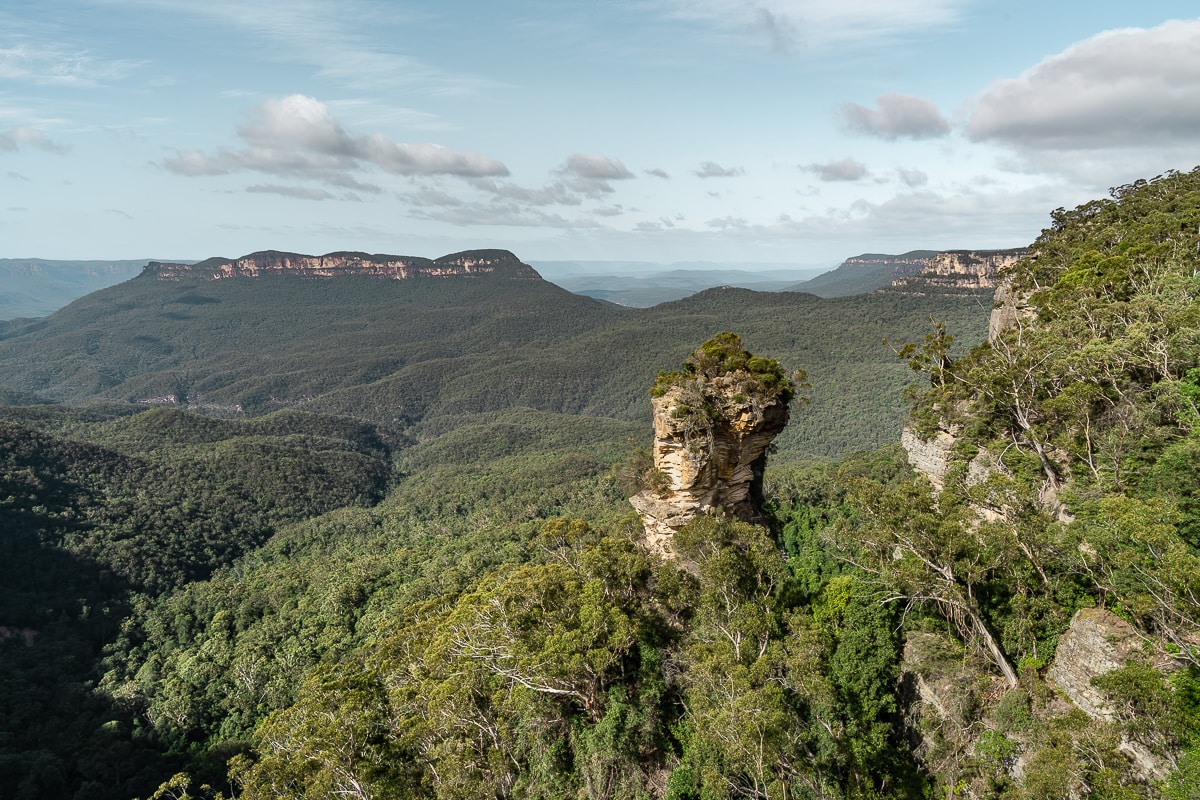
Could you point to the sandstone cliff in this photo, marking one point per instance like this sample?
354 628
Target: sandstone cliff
960 269
713 423
274 262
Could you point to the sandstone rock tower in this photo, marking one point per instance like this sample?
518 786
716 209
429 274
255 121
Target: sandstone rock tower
713 421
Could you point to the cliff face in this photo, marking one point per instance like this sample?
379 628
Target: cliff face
273 262
961 269
711 434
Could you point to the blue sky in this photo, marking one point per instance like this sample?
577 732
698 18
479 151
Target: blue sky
792 131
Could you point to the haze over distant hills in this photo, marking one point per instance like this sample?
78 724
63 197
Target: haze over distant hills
35 287
641 284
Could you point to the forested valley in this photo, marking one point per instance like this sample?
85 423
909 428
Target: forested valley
395 558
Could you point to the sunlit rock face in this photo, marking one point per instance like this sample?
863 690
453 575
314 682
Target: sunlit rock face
711 435
960 269
330 265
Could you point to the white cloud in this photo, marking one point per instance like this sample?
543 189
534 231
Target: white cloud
22 138
711 169
593 166
846 169
298 137
588 174
898 116
552 194
819 24
1122 100
658 173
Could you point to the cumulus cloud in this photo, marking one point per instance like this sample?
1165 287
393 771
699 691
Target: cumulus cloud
898 116
1124 101
1114 89
658 173
846 169
818 24
22 138
711 169
588 174
594 166
298 137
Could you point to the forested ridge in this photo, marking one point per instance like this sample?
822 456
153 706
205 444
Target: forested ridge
329 601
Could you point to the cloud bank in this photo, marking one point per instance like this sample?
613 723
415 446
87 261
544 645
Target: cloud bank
1126 99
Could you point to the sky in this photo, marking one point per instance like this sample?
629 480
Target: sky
769 131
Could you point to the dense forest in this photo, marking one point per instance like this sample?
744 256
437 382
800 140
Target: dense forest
324 601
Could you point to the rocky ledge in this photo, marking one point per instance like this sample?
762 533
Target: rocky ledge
273 262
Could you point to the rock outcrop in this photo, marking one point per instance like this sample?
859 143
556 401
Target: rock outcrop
960 269
1009 309
713 423
273 262
930 457
1096 643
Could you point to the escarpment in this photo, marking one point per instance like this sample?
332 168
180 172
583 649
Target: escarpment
713 423
273 262
960 269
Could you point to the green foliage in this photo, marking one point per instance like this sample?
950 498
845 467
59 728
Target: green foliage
401 353
723 355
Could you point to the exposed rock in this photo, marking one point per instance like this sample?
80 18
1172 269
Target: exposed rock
1096 643
273 262
930 457
1009 309
712 428
961 269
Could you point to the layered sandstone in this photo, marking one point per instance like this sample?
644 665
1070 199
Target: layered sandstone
711 434
330 265
961 269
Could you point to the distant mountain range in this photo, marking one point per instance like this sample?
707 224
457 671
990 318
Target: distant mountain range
476 332
38 287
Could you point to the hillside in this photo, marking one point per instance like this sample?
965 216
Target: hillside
399 352
864 273
35 287
461 604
